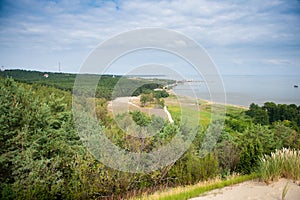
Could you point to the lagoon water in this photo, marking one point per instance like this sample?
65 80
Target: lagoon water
245 89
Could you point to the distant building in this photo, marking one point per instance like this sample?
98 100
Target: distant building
46 75
2 69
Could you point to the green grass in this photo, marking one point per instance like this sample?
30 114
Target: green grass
175 111
183 110
205 118
235 110
187 192
205 110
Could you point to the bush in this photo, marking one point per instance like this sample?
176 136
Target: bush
161 94
191 168
253 143
228 156
249 158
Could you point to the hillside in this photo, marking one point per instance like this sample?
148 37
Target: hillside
42 155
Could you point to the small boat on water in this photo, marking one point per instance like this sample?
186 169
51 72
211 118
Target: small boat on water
295 86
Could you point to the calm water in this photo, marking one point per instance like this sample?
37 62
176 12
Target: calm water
243 90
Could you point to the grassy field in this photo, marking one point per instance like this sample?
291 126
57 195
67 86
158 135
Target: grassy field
203 113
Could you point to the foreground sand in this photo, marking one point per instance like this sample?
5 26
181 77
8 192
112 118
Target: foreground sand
254 190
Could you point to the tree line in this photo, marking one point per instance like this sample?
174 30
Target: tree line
271 112
108 86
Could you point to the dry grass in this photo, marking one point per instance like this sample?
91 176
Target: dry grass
186 192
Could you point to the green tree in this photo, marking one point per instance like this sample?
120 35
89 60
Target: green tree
140 118
255 141
38 142
161 94
272 111
259 115
285 136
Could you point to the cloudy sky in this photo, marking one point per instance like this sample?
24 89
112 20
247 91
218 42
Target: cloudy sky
241 36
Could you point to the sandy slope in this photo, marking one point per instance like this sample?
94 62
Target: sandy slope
251 190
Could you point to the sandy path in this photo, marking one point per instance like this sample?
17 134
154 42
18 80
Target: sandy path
169 115
254 190
125 104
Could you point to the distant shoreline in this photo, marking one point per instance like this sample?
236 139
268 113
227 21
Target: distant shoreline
244 90
171 91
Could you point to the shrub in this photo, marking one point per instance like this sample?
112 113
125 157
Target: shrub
192 168
228 156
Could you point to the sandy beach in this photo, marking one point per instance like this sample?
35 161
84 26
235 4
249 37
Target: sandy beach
209 102
254 190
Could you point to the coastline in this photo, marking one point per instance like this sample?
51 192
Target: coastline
244 90
209 102
123 104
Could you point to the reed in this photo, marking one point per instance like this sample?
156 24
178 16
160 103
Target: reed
284 163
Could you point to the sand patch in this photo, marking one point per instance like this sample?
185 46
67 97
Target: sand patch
254 190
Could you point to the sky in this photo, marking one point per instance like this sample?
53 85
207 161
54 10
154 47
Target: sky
247 37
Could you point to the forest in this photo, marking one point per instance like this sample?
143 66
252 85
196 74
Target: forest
106 88
42 156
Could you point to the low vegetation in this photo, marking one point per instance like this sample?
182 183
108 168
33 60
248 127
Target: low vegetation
191 191
155 97
284 163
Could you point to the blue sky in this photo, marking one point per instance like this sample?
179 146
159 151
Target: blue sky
241 36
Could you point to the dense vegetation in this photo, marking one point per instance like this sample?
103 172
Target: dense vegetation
271 112
42 156
154 96
108 87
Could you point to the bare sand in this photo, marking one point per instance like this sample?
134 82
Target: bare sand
208 102
125 104
254 190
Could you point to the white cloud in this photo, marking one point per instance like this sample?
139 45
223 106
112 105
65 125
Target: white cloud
275 61
78 26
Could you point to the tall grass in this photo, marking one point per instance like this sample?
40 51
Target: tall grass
284 163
